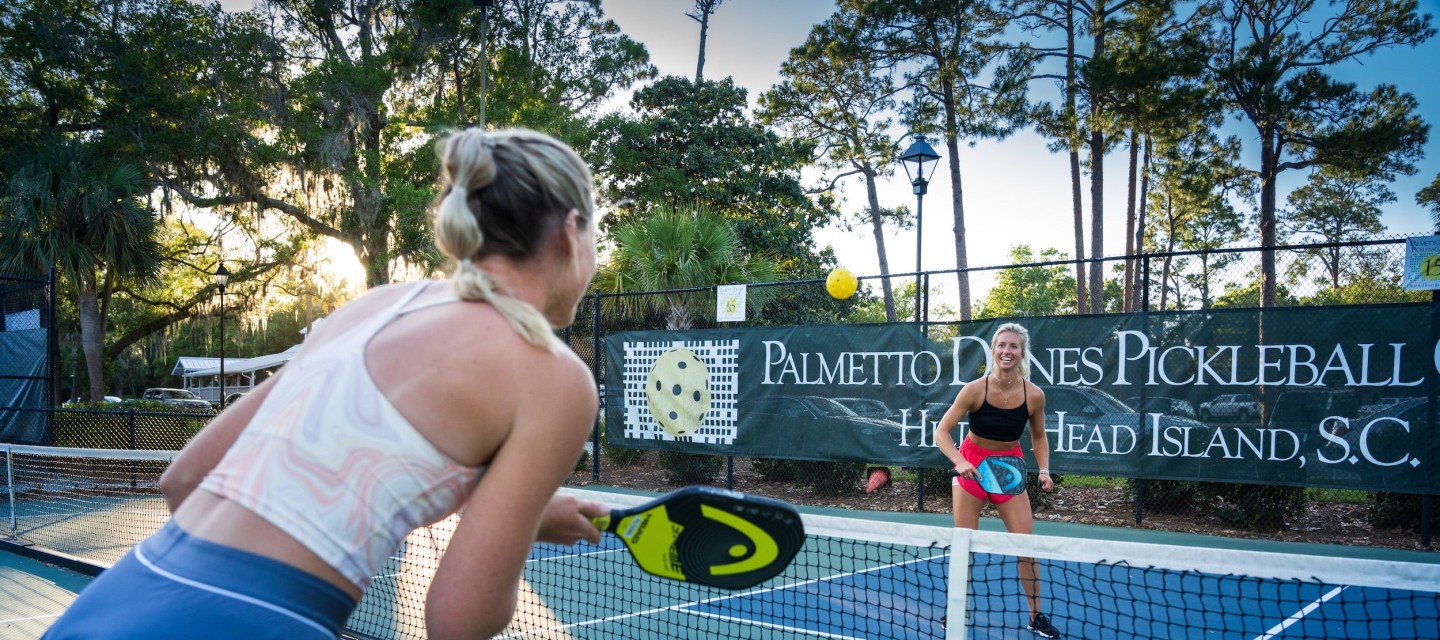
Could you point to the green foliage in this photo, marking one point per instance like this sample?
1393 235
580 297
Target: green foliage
1252 506
1270 64
841 478
1399 511
133 424
681 248
775 469
1429 197
693 144
618 455
690 468
1164 496
1031 291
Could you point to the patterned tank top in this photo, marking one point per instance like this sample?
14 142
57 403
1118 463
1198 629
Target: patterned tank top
331 462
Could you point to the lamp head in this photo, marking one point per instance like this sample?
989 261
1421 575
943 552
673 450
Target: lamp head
222 276
919 161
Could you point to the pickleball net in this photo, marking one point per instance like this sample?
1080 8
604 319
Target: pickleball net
855 578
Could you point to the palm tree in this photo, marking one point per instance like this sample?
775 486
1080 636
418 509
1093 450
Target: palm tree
679 248
686 248
85 217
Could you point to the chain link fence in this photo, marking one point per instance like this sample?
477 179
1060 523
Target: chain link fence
28 355
1366 272
1351 273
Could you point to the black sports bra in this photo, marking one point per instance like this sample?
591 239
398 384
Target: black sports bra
994 423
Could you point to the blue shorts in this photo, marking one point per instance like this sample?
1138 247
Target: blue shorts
174 585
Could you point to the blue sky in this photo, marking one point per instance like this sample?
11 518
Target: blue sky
1016 191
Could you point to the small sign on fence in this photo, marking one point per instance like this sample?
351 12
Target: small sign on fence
1422 263
730 303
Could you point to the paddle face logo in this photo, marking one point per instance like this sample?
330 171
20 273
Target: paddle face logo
999 477
765 551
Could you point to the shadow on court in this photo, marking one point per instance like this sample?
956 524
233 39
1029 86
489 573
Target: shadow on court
33 594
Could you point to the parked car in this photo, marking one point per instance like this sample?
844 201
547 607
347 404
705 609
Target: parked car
1381 404
178 397
1237 407
230 399
1302 410
831 427
867 408
1162 404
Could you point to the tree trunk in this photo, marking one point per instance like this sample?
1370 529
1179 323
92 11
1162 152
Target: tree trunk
1076 205
704 30
957 201
1140 221
91 336
1128 288
1268 161
1097 175
878 230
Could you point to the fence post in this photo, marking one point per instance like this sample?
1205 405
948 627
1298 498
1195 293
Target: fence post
599 375
54 339
1427 520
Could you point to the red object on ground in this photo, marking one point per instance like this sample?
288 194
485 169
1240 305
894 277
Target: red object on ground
879 477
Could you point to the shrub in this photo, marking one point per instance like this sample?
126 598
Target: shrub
774 469
937 481
1401 511
133 424
1252 506
617 454
1163 496
832 478
690 468
1041 499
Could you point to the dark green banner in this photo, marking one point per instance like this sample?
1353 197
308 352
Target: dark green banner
1324 397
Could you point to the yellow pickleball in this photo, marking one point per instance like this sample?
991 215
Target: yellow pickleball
841 283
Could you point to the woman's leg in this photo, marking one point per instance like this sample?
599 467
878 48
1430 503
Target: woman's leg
1016 515
965 507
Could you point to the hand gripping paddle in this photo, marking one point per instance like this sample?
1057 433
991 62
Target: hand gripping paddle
1001 475
709 536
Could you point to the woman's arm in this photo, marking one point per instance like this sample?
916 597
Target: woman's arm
944 428
1038 441
205 450
473 592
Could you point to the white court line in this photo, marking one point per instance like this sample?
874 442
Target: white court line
9 620
685 607
1298 615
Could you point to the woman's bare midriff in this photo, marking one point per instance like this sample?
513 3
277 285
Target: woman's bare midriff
992 445
215 519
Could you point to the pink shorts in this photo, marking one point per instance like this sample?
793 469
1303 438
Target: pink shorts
974 453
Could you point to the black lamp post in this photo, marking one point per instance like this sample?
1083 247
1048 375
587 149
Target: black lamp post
222 278
919 161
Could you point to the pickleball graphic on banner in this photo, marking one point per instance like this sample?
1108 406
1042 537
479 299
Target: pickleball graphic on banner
681 389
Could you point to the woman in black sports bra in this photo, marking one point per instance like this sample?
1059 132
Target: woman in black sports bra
999 406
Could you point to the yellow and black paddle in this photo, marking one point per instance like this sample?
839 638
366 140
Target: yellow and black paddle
710 536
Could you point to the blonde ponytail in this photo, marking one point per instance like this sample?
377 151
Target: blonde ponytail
518 185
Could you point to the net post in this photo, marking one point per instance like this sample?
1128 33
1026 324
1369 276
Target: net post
956 601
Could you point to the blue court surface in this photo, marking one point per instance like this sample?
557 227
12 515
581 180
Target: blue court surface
835 589
33 594
900 592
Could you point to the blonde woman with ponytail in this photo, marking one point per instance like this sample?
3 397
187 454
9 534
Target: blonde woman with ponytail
999 406
410 403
